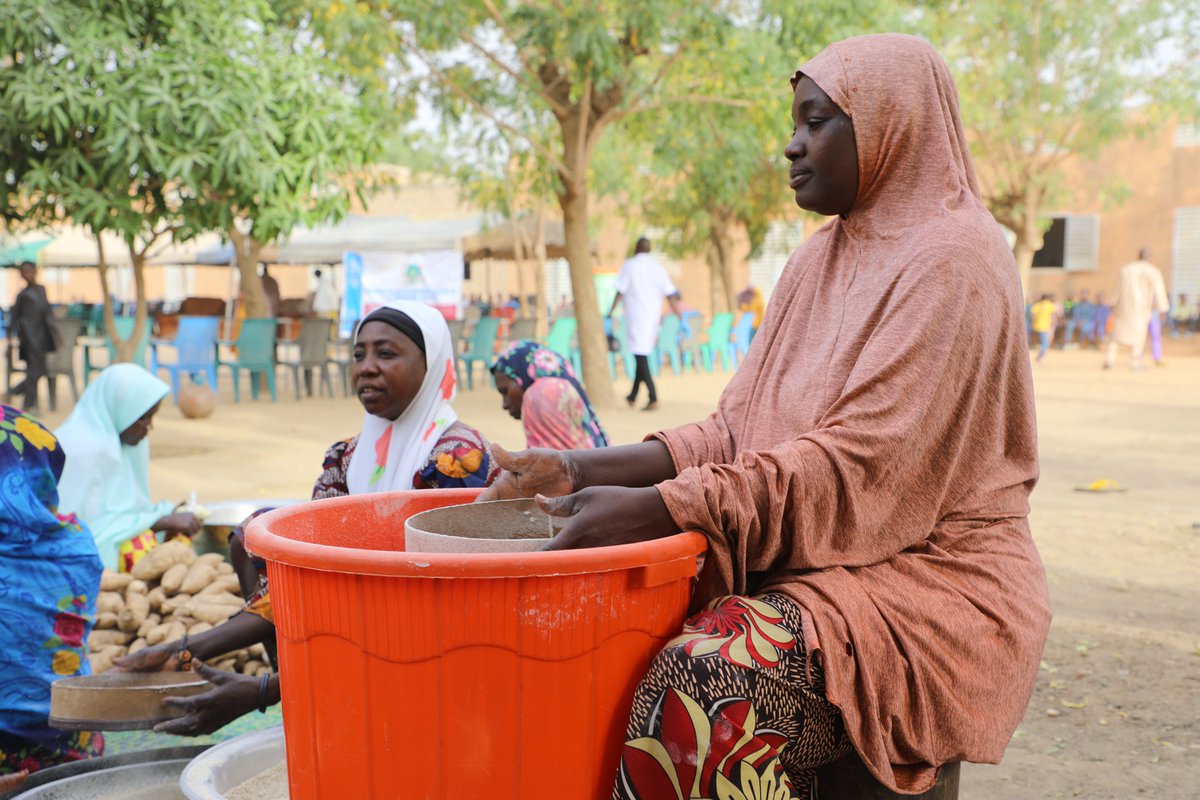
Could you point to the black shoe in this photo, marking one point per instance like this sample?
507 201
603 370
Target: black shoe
631 401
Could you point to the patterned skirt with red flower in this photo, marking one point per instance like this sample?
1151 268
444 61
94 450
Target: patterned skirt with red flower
39 748
731 708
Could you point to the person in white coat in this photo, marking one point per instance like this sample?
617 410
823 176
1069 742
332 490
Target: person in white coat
643 284
1140 294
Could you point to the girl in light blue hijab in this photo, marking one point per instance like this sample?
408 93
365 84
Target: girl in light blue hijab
106 480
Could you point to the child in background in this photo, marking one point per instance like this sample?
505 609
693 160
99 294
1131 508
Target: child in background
1043 319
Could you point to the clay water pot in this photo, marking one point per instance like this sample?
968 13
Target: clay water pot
196 400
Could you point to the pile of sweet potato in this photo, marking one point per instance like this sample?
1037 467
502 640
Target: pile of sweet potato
170 591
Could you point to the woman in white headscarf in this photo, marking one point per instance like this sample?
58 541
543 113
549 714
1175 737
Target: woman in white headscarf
403 374
106 481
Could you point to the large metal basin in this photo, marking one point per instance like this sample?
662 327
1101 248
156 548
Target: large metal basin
227 515
145 775
231 763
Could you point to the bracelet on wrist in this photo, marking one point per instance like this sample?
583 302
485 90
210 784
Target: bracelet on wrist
262 693
184 655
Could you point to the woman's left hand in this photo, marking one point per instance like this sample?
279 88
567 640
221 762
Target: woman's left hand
600 516
232 696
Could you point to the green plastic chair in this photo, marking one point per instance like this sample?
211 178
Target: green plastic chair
255 354
482 347
668 344
561 340
718 343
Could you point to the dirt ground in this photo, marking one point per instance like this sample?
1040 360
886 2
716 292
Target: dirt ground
1116 711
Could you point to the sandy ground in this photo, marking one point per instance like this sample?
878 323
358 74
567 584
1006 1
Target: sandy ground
1116 711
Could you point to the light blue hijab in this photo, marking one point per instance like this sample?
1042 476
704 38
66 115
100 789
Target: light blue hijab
105 483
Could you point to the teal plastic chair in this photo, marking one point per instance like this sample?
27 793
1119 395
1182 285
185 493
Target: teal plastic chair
482 347
256 354
561 340
668 344
124 329
718 343
562 333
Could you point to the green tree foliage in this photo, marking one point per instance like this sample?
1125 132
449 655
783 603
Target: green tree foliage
717 170
1046 81
159 120
556 76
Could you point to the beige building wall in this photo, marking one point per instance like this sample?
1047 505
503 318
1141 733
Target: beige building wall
1160 177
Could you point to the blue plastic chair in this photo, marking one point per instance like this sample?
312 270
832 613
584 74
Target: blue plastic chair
482 347
256 354
718 343
668 344
742 333
124 328
195 346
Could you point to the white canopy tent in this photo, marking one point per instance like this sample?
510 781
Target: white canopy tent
326 244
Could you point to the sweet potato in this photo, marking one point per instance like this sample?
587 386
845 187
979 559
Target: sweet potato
138 644
214 613
110 601
199 627
224 568
149 624
162 558
106 619
251 667
98 640
212 559
171 604
103 659
156 596
158 634
114 581
198 576
137 608
136 587
221 585
173 578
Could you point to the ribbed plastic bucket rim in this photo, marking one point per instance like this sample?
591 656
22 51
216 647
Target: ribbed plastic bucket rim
332 558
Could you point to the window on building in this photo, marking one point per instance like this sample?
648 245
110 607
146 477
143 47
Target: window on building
1072 243
1187 135
1185 270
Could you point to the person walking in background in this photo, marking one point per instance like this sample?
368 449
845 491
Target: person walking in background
1140 294
1043 319
325 301
33 325
1068 317
1085 319
643 284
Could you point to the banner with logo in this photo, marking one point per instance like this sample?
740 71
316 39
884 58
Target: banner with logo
378 278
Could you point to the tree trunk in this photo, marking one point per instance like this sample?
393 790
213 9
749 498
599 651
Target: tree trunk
719 255
589 325
247 250
541 324
1031 235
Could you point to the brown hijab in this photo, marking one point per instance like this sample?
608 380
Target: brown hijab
873 456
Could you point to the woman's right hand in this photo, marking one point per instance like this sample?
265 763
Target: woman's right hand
551 473
159 658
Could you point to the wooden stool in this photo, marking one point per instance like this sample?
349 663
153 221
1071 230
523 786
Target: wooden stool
849 779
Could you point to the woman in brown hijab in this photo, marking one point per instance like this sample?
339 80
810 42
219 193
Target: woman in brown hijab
871 581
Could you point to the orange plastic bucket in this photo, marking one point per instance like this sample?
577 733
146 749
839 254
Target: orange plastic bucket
454 677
